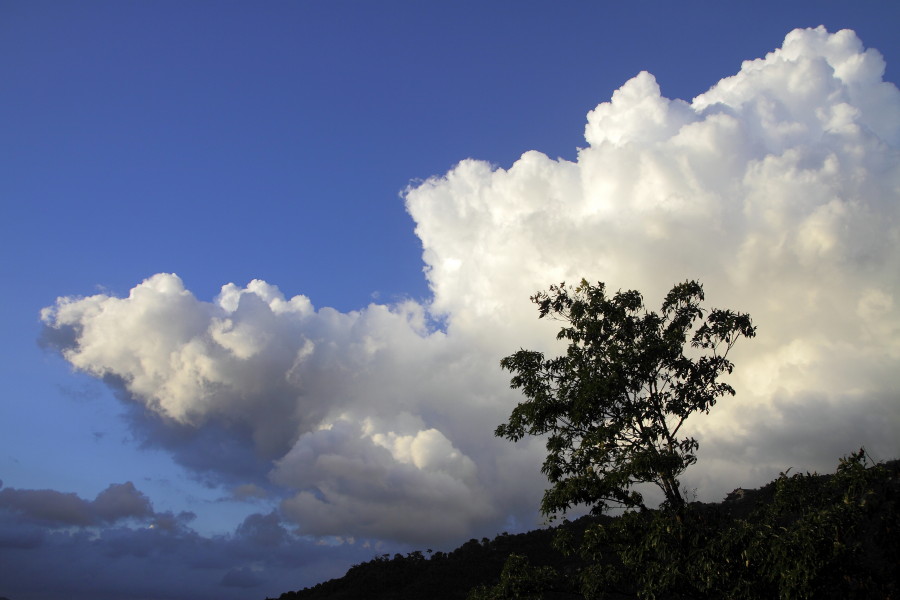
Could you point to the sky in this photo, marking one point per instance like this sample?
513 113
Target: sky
261 262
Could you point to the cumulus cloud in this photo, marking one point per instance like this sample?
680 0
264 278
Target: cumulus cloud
414 487
778 188
192 362
334 405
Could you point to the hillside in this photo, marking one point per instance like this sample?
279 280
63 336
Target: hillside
847 526
442 575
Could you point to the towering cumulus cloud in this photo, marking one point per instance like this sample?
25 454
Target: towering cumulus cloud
778 188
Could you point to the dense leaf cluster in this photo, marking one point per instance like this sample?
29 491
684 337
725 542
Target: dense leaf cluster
802 536
613 405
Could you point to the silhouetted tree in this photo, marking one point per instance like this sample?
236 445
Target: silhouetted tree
613 405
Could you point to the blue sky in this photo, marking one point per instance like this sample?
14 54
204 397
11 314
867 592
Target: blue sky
293 143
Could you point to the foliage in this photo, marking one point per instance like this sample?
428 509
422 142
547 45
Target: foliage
612 406
440 575
809 537
519 580
801 536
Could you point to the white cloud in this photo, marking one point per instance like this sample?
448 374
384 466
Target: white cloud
414 487
341 405
778 188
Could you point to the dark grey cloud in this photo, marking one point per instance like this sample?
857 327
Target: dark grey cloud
126 551
263 530
121 501
57 509
15 534
48 507
242 577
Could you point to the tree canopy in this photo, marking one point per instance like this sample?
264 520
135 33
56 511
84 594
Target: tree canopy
613 405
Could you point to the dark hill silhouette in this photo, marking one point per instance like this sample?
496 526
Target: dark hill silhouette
452 575
443 575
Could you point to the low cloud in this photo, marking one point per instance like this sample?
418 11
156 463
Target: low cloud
778 188
241 578
58 509
415 487
57 545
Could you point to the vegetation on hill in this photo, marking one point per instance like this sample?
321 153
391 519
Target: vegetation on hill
800 536
439 575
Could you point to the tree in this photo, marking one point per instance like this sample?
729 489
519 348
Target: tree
613 405
519 580
800 536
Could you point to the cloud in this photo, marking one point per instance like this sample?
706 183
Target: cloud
115 547
263 530
778 188
248 491
121 501
415 487
192 362
58 509
241 578
47 506
254 382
